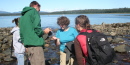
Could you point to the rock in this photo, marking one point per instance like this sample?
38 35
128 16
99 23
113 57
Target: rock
53 47
9 43
5 40
10 37
2 55
7 52
1 38
47 41
106 33
0 50
54 60
126 60
115 61
0 43
113 33
8 58
46 45
109 39
46 50
122 48
45 36
58 53
4 46
127 37
113 29
118 40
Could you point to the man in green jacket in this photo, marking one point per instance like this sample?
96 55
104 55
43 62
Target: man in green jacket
31 33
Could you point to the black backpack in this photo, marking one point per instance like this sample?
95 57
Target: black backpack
99 49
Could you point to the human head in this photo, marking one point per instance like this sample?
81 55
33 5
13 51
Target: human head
16 20
35 5
63 22
82 22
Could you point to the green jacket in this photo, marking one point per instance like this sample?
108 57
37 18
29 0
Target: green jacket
30 27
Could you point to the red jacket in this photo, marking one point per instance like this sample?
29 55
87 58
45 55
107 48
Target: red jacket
80 47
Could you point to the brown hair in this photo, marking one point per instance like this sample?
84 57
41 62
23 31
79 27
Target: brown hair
34 3
16 20
83 21
63 21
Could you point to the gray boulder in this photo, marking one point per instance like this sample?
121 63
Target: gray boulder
118 40
122 48
8 58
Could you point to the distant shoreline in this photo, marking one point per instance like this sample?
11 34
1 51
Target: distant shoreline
85 11
67 14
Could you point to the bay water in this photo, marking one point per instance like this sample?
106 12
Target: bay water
51 20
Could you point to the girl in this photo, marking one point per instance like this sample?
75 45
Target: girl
19 48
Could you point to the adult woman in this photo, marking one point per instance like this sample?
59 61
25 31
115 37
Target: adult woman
81 46
81 24
63 36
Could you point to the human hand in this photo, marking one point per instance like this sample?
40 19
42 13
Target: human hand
57 40
47 30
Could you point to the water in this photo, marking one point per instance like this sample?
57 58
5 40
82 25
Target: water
51 20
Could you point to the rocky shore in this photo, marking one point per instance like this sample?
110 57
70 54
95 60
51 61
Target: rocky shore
118 35
115 29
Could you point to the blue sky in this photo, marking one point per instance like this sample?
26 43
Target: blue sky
60 5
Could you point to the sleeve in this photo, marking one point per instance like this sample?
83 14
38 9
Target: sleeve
79 54
37 24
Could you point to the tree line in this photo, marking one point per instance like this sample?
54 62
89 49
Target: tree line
86 11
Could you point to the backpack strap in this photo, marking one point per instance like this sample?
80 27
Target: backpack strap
69 50
69 46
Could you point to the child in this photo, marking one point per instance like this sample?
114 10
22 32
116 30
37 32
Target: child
19 49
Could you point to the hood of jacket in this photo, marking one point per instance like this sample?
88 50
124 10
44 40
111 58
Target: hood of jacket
26 9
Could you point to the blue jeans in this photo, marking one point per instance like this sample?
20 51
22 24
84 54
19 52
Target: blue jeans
20 58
